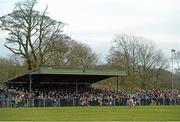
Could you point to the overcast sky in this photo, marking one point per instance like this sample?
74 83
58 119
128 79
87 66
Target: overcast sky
95 22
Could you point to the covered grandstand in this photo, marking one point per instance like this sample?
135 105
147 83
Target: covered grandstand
76 77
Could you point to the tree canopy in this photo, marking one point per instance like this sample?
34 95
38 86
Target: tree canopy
139 56
30 32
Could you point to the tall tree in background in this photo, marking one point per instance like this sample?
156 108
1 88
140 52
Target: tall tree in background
177 58
177 70
124 53
138 56
64 52
150 59
57 51
30 32
81 55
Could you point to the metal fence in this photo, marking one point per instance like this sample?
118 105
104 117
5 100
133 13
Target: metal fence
13 103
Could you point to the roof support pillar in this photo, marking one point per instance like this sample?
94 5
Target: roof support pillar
30 84
117 82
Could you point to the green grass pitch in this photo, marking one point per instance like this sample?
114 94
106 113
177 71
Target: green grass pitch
108 113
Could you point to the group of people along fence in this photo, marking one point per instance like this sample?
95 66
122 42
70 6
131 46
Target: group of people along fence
48 97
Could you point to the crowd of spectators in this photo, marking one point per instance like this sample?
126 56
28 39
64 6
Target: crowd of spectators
87 96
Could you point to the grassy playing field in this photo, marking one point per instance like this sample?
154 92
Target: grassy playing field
145 113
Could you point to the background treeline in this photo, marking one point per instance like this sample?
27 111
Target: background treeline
36 40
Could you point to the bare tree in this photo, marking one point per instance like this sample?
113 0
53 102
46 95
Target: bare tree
150 59
138 56
177 58
30 32
57 51
125 53
81 55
